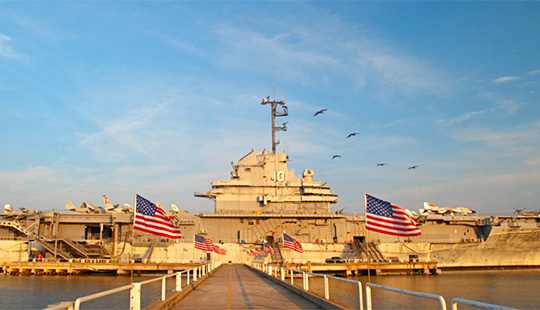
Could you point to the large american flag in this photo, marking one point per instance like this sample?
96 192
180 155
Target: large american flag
291 243
384 217
151 219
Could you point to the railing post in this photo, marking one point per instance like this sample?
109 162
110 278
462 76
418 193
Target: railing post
178 281
292 277
304 280
163 288
282 274
135 297
187 277
360 295
195 274
326 292
368 298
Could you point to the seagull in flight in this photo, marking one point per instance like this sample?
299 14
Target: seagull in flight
382 164
412 167
336 156
319 112
353 134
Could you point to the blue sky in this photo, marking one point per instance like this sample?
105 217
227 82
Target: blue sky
157 98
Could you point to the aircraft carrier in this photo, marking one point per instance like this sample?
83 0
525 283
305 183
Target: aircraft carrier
261 201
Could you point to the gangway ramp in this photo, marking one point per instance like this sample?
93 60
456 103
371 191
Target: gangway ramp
239 287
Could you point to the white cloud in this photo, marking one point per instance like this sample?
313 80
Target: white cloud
505 79
487 194
311 55
534 72
461 118
535 162
6 50
521 142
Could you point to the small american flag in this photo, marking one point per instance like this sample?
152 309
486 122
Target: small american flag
151 219
204 244
291 243
219 250
268 248
386 218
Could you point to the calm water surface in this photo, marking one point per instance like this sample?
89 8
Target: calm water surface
514 288
509 288
38 291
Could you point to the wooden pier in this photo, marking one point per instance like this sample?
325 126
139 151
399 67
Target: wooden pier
90 265
240 287
106 266
373 268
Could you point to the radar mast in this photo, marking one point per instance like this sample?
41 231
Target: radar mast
274 103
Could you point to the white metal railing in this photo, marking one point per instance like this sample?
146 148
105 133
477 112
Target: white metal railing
135 288
283 273
288 275
478 304
400 291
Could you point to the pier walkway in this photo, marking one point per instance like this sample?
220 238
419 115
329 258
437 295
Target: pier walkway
239 287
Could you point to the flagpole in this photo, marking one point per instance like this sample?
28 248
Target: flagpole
367 238
133 236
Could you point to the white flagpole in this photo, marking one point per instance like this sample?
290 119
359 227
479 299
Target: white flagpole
367 238
133 236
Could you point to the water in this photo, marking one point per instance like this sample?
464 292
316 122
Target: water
38 291
510 288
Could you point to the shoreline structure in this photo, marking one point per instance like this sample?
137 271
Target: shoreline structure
260 202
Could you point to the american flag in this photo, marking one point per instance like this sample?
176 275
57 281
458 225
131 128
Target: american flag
291 243
218 250
268 248
151 219
386 218
203 243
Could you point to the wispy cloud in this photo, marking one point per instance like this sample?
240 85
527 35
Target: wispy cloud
505 79
464 117
6 50
520 142
311 55
533 162
488 193
534 72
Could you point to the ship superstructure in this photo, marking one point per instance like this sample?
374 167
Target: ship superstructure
262 183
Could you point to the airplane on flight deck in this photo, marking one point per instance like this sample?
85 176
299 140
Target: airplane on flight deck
109 207
85 207
428 207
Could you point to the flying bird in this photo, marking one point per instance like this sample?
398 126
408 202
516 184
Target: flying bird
336 156
382 164
412 167
319 112
353 134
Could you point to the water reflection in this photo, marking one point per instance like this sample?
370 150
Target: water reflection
510 288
